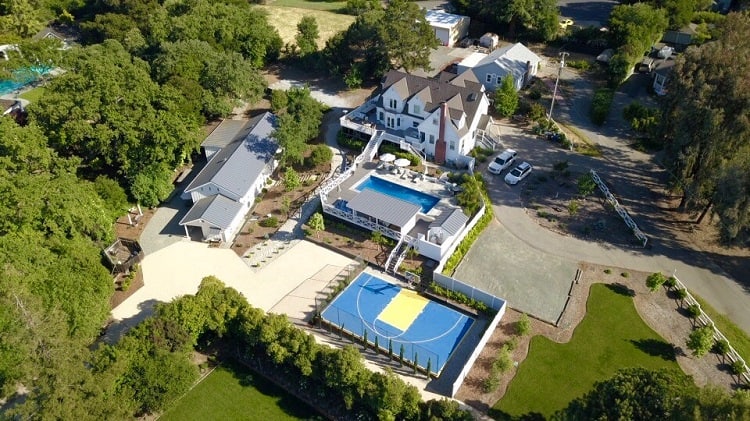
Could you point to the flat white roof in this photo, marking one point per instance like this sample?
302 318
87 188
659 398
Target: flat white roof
472 60
440 19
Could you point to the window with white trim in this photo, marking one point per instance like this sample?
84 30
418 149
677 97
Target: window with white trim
490 77
417 109
432 139
393 103
453 145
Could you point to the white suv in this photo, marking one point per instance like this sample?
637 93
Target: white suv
502 161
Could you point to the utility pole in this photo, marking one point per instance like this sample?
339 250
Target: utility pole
554 93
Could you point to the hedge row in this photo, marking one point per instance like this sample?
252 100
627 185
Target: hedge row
472 236
461 298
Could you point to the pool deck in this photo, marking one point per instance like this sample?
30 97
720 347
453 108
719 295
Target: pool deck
345 190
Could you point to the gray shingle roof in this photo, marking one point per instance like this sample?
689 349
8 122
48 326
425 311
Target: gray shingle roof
237 166
226 132
383 207
409 85
511 59
450 220
217 210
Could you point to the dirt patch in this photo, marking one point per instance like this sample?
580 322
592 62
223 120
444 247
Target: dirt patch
121 295
553 200
657 309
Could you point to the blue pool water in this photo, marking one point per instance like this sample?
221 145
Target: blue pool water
426 201
22 78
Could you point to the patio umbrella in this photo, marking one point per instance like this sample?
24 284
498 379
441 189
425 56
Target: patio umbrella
402 162
388 157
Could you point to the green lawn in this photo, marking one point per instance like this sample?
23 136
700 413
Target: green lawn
610 337
32 95
286 18
737 337
232 393
311 5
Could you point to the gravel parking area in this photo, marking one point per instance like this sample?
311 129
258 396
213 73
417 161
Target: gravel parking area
501 264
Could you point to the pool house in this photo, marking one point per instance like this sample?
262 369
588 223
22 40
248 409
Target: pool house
416 210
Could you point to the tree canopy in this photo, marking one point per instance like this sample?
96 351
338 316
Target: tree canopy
379 40
107 111
534 18
706 127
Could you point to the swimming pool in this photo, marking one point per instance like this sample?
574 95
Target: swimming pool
21 78
424 200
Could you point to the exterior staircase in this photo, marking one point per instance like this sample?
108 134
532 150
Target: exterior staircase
397 256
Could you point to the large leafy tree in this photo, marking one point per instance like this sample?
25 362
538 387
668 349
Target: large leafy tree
635 394
407 36
191 64
307 35
298 123
706 126
379 40
107 111
634 29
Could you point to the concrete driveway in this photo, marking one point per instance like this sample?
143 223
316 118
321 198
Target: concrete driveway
179 268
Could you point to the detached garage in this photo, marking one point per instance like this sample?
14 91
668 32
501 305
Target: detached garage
449 28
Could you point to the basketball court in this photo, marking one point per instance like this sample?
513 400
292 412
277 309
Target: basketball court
427 331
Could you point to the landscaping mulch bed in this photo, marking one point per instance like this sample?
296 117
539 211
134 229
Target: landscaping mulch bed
661 312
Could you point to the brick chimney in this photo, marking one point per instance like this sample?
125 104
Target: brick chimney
441 145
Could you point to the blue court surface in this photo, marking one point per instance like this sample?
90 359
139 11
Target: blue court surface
426 329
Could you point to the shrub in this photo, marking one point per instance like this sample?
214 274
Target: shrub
601 104
693 311
535 94
537 112
671 282
607 271
279 100
682 293
291 179
586 185
738 367
579 64
560 166
573 207
625 275
321 154
523 325
270 222
655 281
350 143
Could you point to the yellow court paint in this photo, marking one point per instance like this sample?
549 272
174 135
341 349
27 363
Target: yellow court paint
403 309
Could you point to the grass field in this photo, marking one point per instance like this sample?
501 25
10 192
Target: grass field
32 95
610 337
285 19
330 6
233 393
737 337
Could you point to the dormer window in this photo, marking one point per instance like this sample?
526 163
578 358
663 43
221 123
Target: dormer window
392 103
489 78
417 109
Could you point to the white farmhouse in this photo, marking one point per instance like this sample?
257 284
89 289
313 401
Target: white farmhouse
439 118
490 69
240 157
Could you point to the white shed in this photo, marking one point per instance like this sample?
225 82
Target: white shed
449 28
489 40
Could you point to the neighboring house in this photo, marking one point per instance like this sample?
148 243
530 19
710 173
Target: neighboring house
681 38
490 69
449 28
10 106
661 75
63 34
241 157
440 118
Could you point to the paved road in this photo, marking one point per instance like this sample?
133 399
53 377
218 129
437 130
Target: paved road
587 13
634 176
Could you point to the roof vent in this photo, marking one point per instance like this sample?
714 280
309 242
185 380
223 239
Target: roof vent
472 96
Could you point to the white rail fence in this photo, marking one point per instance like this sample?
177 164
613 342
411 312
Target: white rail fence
718 336
619 209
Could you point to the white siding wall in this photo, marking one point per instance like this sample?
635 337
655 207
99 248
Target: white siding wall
460 31
443 35
236 225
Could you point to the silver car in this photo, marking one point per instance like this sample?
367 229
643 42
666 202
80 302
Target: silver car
519 173
502 161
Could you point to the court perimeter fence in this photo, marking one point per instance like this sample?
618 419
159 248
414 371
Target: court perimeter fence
479 295
354 326
335 286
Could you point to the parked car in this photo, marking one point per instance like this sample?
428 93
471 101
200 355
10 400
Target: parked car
519 173
564 23
502 161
